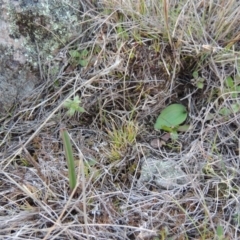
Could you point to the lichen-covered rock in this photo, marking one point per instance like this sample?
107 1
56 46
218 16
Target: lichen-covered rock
16 81
165 174
31 32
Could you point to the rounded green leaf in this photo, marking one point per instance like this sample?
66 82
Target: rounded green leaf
171 116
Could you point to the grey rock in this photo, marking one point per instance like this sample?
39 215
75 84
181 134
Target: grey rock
8 93
165 174
32 30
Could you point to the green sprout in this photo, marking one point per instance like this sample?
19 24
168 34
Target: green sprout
73 106
232 87
79 57
70 159
197 81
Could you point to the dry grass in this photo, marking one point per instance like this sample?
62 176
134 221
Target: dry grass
140 57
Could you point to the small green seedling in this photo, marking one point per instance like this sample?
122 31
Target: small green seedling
197 81
170 119
220 233
79 58
226 111
233 88
73 106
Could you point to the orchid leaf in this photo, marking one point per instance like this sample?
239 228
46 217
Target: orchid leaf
171 117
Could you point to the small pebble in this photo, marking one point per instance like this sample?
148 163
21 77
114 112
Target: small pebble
156 143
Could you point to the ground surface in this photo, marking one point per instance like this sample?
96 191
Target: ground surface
136 58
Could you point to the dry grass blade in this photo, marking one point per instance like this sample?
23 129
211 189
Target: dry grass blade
165 13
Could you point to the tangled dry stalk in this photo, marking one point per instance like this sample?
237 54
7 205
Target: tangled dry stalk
140 57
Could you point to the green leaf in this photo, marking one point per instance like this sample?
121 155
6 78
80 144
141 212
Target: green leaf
70 160
84 53
79 57
76 99
74 54
229 82
220 232
81 109
200 84
183 128
235 107
195 74
171 117
83 63
70 112
225 111
236 91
